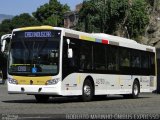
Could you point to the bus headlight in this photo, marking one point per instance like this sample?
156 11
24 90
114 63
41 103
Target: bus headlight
12 81
53 81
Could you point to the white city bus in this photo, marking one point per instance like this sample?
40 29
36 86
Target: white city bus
49 61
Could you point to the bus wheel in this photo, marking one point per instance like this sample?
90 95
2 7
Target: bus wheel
42 98
1 77
135 89
88 92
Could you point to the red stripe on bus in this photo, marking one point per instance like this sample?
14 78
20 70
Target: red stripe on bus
105 41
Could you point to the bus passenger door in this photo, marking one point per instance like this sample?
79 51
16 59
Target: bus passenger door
70 63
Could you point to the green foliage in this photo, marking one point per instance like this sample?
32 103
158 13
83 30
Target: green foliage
51 13
22 20
103 14
107 15
138 18
5 27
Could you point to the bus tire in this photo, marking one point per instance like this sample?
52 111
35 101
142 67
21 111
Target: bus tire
1 77
135 91
87 91
42 98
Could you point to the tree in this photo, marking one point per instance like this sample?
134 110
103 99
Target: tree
5 27
22 20
51 13
154 4
103 14
107 16
138 18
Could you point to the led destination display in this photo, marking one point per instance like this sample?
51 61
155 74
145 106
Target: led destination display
38 34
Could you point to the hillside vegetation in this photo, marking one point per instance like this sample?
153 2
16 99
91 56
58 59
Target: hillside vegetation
134 19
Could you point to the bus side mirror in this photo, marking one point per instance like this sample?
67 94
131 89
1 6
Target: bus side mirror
70 53
68 41
3 46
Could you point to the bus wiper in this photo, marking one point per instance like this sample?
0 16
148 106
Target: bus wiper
45 43
36 57
25 49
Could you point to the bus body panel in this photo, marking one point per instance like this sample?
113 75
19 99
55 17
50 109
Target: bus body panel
107 84
113 84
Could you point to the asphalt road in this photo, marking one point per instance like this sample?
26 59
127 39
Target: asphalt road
147 103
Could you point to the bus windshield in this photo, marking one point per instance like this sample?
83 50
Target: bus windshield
34 52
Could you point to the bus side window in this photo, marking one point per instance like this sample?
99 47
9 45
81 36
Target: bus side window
152 63
145 61
99 57
85 56
136 60
113 58
124 58
82 61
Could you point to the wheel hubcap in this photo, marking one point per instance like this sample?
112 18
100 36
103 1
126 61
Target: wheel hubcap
135 89
87 90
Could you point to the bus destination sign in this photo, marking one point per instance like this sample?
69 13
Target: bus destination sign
38 34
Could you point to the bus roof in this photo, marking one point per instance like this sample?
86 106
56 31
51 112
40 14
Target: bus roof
45 27
115 40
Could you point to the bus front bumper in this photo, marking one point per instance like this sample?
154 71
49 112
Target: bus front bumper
34 89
